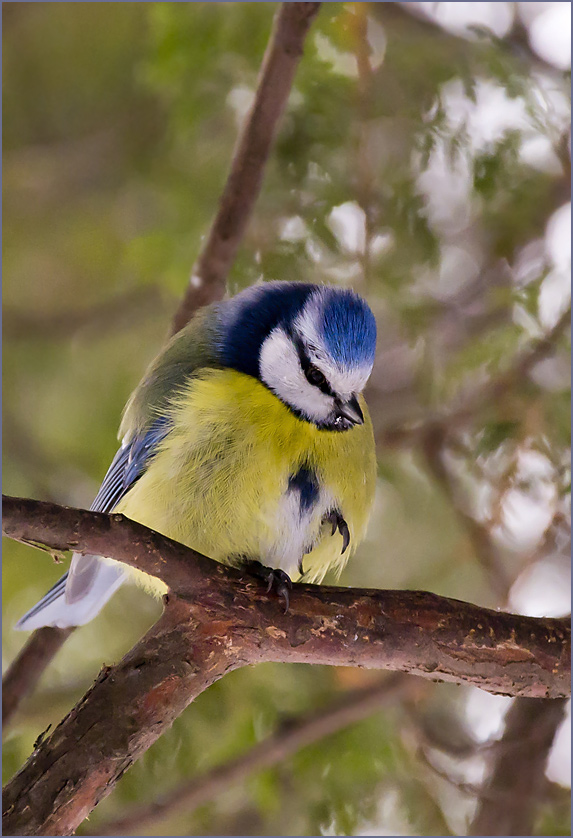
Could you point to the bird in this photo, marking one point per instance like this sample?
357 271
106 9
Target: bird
249 440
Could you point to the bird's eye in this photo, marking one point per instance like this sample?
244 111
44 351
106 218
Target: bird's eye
315 377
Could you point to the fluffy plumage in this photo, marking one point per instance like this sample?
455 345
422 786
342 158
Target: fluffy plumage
246 439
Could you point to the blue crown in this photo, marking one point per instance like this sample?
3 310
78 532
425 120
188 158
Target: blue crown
348 328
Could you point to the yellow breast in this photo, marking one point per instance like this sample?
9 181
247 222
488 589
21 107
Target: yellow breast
220 479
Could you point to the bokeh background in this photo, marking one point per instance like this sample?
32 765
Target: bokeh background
424 160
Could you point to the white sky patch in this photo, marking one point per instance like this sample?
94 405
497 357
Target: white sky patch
555 294
382 243
530 9
294 229
485 713
458 17
447 181
542 590
488 118
446 185
348 223
538 152
525 517
550 35
558 237
559 763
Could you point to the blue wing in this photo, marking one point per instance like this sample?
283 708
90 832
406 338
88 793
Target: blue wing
128 465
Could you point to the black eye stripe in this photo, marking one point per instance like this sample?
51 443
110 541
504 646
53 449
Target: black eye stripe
313 375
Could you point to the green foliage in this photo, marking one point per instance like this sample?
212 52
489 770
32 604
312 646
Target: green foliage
120 122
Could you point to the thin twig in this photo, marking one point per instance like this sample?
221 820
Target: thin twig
209 274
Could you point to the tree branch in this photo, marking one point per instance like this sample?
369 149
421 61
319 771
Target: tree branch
27 668
209 274
510 797
291 736
412 631
220 621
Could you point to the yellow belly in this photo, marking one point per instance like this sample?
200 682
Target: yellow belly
219 480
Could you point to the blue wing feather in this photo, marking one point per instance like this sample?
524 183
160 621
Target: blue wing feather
128 465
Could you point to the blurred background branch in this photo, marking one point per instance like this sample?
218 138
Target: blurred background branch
208 280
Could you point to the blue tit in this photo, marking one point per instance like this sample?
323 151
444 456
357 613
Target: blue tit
248 439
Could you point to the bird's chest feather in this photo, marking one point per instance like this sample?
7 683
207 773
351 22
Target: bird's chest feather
240 475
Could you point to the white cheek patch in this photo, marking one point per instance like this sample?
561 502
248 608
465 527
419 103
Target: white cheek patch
280 370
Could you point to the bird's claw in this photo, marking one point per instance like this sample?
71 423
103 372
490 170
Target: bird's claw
275 578
338 523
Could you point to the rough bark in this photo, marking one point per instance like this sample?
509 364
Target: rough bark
411 631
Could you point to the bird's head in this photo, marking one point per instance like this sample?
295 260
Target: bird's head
312 345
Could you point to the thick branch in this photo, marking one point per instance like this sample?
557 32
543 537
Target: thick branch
221 621
209 274
412 631
283 743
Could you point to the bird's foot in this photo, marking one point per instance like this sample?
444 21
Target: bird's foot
275 578
338 523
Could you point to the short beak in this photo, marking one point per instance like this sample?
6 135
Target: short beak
351 411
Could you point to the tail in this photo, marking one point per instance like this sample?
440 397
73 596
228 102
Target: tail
78 596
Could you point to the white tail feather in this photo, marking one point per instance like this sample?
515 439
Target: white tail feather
54 609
